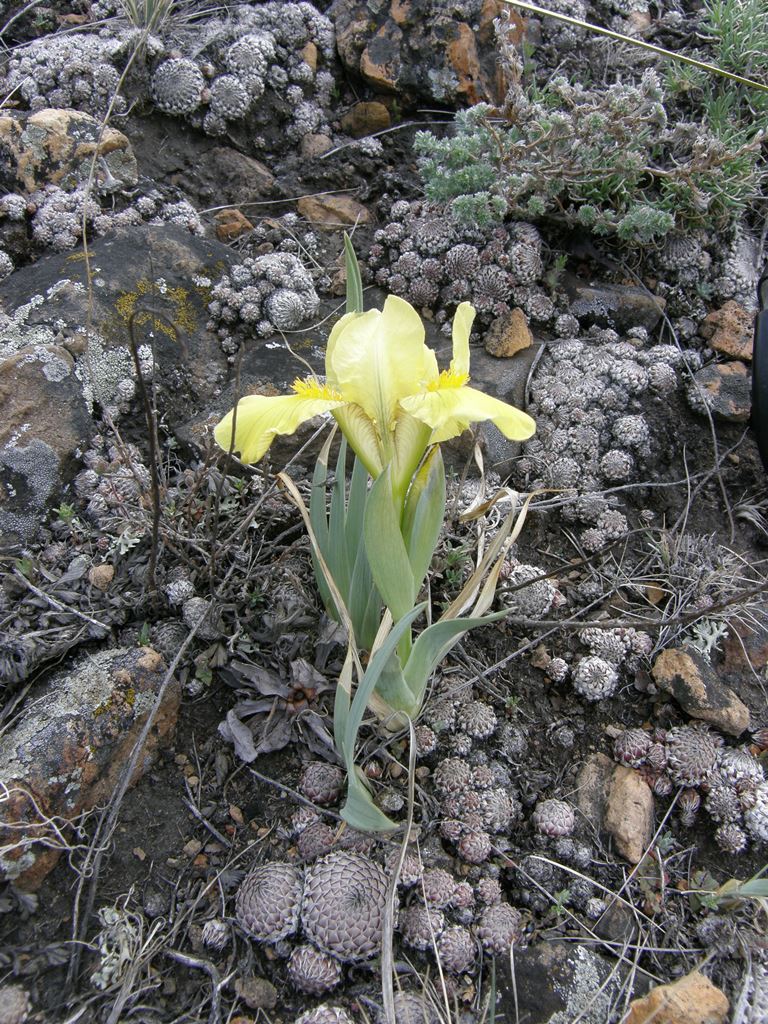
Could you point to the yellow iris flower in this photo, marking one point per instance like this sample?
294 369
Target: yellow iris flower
385 390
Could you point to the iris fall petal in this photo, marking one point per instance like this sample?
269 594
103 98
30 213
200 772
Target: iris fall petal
260 418
451 410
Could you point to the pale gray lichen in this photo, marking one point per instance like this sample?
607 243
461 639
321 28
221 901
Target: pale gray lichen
587 995
38 465
17 333
100 370
88 684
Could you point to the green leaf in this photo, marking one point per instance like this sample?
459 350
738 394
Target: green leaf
342 702
358 495
319 520
337 544
364 600
393 688
755 888
367 684
431 647
360 811
423 515
354 280
387 555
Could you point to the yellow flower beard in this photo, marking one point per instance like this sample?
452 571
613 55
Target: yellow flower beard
310 387
448 379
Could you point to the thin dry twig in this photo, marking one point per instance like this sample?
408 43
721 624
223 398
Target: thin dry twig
214 1017
59 605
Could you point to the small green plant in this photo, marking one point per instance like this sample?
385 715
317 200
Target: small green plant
66 513
454 563
26 567
738 30
604 159
143 638
555 270
708 895
559 903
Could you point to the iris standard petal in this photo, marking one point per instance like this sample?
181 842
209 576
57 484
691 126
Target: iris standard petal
261 417
333 337
377 358
463 319
450 410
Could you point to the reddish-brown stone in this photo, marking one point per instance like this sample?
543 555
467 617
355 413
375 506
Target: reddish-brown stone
416 50
231 224
729 330
331 211
365 118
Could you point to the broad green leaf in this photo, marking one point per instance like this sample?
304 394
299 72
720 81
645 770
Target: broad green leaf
358 496
285 482
424 513
387 556
360 811
342 701
394 690
754 888
431 647
337 546
364 600
354 280
370 678
319 519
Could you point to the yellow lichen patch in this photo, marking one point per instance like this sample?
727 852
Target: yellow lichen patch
180 311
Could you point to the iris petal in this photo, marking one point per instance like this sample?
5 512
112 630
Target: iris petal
462 328
377 358
361 435
260 418
450 410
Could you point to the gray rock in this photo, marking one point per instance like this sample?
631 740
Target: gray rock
44 421
556 983
66 754
613 305
59 358
723 388
56 147
420 49
239 178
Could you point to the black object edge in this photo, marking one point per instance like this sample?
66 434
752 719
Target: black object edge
760 371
